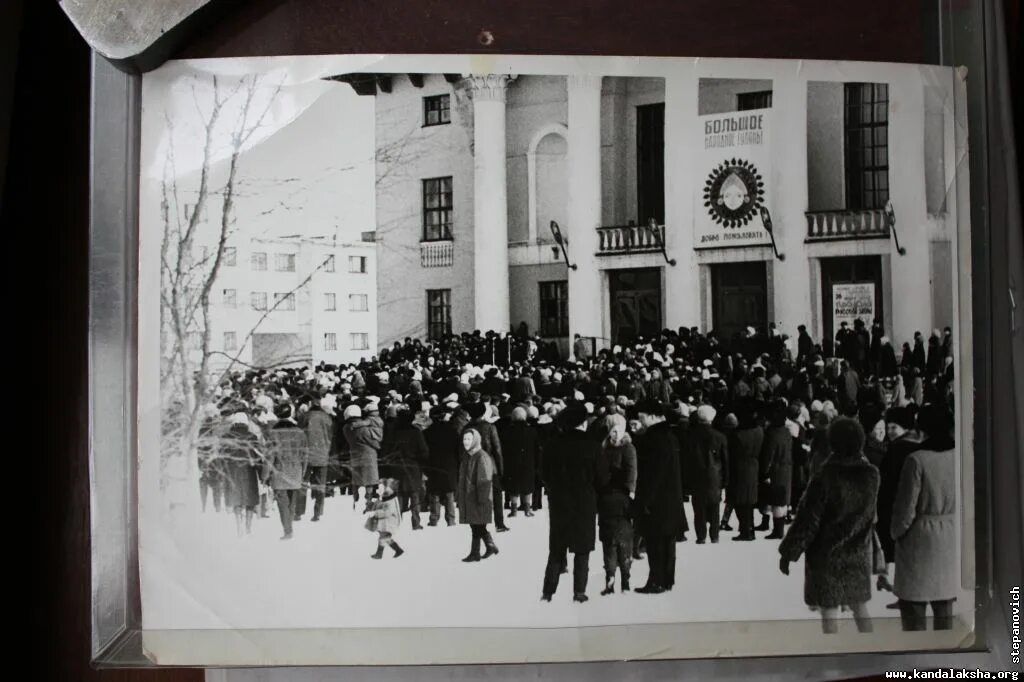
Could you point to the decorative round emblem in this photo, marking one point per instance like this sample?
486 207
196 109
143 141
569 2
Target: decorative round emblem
733 193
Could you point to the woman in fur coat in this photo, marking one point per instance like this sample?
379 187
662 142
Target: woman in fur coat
833 530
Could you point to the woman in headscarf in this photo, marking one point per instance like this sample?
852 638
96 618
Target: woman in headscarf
874 448
241 471
476 505
833 530
616 484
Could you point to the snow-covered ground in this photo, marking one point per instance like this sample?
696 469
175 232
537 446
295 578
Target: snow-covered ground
198 574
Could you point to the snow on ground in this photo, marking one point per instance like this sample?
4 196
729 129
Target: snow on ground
198 574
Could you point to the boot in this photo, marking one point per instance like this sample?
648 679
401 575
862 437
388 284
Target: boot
765 520
580 598
379 554
624 580
416 523
724 526
398 550
609 584
490 548
778 528
512 512
474 551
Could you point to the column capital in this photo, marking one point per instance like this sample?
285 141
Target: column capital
583 82
489 87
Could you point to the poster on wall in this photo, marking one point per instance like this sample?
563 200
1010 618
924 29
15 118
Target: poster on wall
853 300
733 167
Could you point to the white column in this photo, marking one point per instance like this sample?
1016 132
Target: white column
490 205
585 309
683 289
787 200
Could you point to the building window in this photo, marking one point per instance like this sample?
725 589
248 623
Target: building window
437 110
437 209
284 301
230 256
554 308
230 298
230 342
284 262
259 300
357 264
359 341
866 145
330 341
330 302
259 260
439 313
358 303
329 264
761 99
650 163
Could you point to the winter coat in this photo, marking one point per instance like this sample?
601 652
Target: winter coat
659 489
386 514
319 427
364 435
704 458
444 447
833 529
924 525
521 388
287 452
519 447
570 476
888 368
403 451
744 465
241 467
777 464
474 495
490 443
616 479
890 470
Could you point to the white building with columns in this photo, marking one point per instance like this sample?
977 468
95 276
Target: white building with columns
472 170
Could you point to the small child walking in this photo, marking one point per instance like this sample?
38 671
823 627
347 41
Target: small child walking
385 517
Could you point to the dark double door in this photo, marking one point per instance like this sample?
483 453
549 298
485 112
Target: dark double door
847 270
635 304
739 297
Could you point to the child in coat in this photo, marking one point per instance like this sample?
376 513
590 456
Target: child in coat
385 517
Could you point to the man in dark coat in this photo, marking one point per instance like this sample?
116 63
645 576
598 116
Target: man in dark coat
706 458
404 451
804 347
287 452
845 339
571 479
519 444
480 415
659 496
319 433
442 469
899 424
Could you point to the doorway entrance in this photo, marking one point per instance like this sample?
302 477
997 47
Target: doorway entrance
739 298
851 288
635 304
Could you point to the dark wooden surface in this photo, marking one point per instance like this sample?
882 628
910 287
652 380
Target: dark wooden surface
45 201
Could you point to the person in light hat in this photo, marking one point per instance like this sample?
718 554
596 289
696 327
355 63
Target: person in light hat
705 465
479 414
363 435
520 446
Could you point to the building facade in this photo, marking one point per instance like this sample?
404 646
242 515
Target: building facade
290 301
720 197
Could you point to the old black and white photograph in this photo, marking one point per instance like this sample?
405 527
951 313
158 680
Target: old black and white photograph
554 342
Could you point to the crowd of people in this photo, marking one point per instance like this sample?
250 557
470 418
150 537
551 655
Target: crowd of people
851 448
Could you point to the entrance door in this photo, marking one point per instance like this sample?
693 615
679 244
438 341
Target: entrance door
636 304
739 296
846 276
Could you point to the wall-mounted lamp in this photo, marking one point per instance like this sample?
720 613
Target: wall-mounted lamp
766 220
890 217
652 227
562 242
